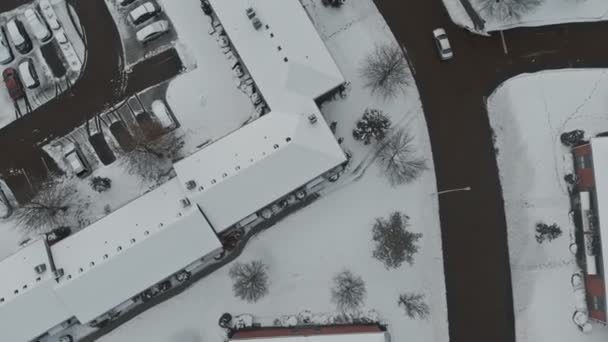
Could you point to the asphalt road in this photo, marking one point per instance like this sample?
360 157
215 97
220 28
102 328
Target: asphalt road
476 260
103 82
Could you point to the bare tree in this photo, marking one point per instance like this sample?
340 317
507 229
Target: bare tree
397 157
152 158
48 209
385 70
414 305
348 292
507 9
250 280
394 243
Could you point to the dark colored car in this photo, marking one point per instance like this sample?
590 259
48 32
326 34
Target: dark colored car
57 235
13 83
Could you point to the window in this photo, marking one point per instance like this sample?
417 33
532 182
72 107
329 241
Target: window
598 303
580 162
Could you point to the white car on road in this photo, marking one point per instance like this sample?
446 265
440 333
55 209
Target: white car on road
152 31
443 44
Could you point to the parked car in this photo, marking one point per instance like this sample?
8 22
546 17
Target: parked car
144 12
49 14
57 235
443 44
161 112
77 162
28 74
125 2
37 25
152 31
6 55
13 84
61 38
19 36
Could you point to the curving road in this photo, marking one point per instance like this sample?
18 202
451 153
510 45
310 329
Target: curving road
102 83
476 260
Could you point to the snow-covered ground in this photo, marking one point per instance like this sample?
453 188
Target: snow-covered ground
550 12
308 248
528 113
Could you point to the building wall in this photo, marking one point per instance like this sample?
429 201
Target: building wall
596 297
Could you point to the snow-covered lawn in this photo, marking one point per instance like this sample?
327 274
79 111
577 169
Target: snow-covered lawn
308 248
205 98
550 12
528 113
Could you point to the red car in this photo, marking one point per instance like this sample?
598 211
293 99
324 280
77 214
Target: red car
13 84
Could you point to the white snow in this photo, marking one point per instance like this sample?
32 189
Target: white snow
528 113
308 248
550 12
205 99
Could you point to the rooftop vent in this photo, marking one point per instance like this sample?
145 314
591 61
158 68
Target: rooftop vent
185 202
59 273
312 118
190 185
40 268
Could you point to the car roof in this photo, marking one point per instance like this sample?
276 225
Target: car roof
157 26
142 9
24 72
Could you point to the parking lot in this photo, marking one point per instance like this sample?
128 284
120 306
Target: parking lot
135 50
44 43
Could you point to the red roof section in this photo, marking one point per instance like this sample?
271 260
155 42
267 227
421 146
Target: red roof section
305 331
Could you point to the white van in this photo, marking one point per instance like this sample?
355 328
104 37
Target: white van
28 74
19 36
37 25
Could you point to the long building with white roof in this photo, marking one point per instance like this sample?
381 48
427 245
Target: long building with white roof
288 147
29 305
110 262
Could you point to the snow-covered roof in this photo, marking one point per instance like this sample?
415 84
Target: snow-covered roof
274 155
28 305
130 250
599 149
358 337
257 164
285 54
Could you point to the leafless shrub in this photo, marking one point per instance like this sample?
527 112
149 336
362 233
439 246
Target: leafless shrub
414 305
385 71
348 292
250 280
152 159
48 209
399 160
